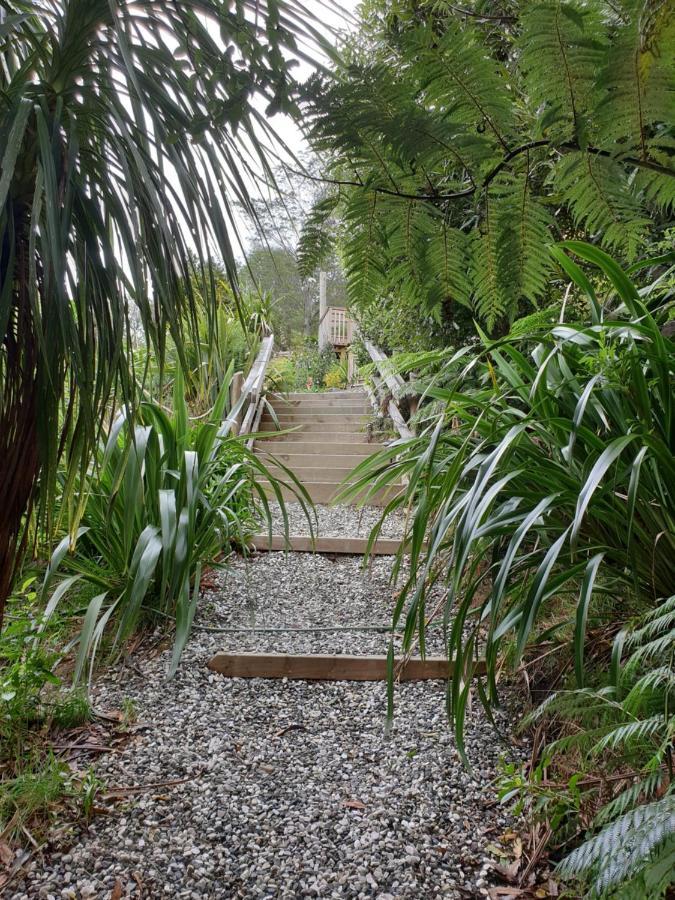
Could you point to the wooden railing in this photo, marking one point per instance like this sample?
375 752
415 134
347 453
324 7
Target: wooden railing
247 405
394 384
336 327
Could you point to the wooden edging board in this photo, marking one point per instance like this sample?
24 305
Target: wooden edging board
325 667
305 544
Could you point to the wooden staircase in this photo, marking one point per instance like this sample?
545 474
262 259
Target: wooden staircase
320 438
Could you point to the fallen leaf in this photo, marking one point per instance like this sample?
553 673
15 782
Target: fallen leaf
6 855
116 892
353 804
510 872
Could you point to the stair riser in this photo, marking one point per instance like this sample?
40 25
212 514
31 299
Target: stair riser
297 461
290 421
326 493
309 474
298 406
316 427
280 447
323 397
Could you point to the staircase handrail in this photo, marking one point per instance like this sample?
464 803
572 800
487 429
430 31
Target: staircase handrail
395 384
251 393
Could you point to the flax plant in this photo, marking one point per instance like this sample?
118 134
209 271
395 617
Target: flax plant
550 473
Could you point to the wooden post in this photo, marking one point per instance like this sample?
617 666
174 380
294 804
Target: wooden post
323 308
235 394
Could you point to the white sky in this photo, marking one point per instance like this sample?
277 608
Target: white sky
336 15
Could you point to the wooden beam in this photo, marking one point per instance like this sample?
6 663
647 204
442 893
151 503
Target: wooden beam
305 544
325 667
394 382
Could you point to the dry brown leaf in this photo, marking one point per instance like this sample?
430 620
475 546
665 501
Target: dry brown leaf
116 892
6 855
510 872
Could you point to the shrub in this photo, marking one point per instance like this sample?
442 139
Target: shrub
168 498
549 479
336 377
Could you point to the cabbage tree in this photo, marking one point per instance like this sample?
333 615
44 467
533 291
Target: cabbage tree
128 128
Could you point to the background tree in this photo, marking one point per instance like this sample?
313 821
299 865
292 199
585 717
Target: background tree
126 130
462 140
271 265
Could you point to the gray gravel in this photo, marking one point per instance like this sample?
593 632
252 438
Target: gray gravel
293 789
338 521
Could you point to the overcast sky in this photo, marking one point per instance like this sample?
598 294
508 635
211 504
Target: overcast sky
336 15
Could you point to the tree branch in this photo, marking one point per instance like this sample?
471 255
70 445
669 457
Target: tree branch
437 197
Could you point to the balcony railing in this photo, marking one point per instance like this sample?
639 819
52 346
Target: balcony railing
336 327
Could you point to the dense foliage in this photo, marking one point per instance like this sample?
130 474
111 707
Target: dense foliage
124 132
542 501
462 140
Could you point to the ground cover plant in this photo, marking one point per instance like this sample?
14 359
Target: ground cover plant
542 500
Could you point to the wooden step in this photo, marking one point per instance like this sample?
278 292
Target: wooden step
321 396
355 546
328 667
314 472
297 461
318 437
326 492
288 419
318 406
280 447
338 427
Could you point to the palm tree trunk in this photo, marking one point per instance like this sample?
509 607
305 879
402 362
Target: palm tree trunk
19 456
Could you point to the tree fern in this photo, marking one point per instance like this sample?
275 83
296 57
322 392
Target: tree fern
560 121
561 49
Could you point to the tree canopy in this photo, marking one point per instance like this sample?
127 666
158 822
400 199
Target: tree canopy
461 141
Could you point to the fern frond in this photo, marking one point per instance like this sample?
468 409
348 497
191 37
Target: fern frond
625 847
316 239
632 732
562 46
602 200
509 265
641 791
638 78
362 249
457 76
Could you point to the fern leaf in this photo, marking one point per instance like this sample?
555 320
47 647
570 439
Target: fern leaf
638 78
602 200
625 847
316 239
562 46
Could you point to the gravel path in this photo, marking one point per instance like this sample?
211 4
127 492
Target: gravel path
292 789
337 521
